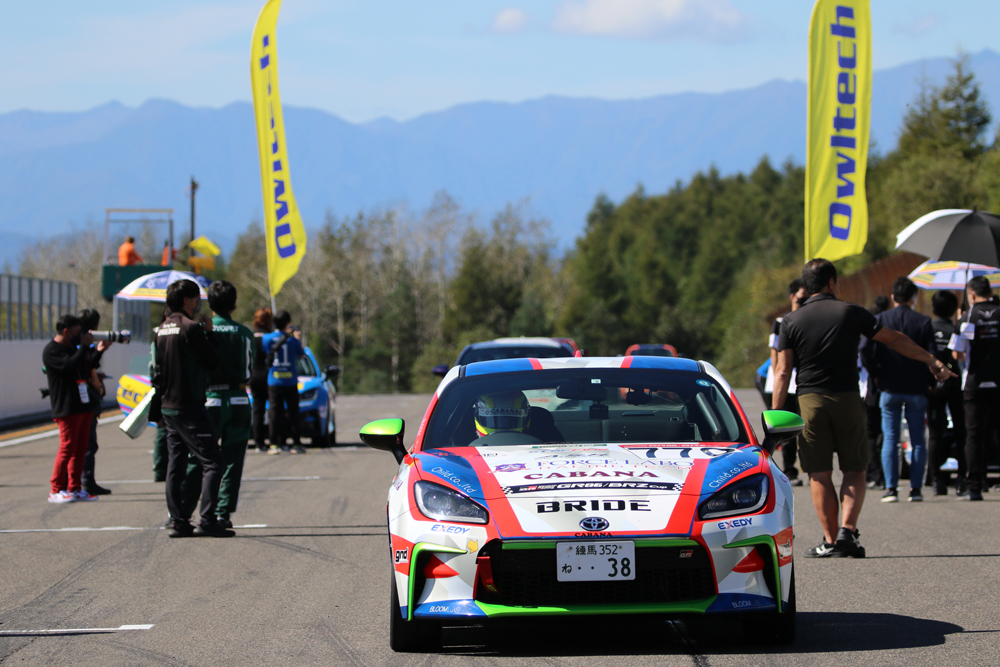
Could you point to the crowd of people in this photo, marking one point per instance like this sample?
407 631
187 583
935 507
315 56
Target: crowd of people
201 368
855 374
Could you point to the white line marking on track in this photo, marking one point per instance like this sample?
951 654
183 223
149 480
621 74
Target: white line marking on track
53 433
105 529
245 479
64 631
279 479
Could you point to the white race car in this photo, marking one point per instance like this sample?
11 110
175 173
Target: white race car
587 486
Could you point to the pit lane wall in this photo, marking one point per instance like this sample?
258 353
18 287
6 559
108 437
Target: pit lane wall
21 376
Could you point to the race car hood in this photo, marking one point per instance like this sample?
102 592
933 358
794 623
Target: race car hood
546 489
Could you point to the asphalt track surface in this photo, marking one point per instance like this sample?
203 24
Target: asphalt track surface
310 587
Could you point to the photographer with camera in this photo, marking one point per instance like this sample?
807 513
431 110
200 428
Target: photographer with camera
185 352
89 320
65 363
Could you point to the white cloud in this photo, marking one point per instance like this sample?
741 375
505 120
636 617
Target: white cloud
509 20
919 25
712 20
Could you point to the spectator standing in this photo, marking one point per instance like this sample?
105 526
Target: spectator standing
873 413
797 295
65 362
262 325
184 353
89 320
227 402
821 340
283 350
946 398
127 255
156 416
977 343
904 385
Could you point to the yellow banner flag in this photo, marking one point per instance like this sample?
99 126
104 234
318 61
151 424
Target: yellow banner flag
840 93
283 230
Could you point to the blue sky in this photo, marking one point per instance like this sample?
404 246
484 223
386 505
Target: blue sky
362 59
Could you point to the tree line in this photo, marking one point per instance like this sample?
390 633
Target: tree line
388 294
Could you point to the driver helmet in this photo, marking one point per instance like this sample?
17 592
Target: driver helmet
506 411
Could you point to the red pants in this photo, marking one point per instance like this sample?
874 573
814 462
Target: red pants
74 436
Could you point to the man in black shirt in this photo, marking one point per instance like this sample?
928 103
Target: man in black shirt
978 345
184 351
904 385
946 398
821 341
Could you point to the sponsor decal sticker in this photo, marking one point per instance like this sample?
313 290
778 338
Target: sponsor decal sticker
584 473
607 505
674 487
703 383
452 530
511 467
454 479
735 523
727 475
402 555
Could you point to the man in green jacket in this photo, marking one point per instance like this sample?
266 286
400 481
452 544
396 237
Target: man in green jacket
227 401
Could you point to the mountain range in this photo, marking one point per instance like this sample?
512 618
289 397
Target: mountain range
60 169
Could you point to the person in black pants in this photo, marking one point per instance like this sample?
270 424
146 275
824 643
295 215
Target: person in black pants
89 320
797 295
184 352
283 348
875 476
977 343
262 325
947 397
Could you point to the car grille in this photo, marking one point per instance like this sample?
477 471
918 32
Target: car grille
527 578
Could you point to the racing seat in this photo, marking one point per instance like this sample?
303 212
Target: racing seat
543 426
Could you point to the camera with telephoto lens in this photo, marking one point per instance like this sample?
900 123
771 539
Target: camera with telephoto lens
124 337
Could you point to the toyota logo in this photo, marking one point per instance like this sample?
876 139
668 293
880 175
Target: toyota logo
594 524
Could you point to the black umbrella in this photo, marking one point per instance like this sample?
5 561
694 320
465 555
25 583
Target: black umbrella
958 235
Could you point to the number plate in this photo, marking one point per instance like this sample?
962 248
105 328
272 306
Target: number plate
595 561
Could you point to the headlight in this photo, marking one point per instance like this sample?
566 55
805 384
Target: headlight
437 502
307 396
742 497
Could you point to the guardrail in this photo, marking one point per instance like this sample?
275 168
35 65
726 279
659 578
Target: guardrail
30 307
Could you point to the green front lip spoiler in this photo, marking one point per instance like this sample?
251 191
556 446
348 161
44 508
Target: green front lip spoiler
689 607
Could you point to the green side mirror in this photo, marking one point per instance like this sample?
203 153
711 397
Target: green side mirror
387 435
779 425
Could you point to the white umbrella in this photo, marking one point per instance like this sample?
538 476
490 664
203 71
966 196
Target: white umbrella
951 275
153 287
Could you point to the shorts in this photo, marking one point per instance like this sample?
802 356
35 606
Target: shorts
834 422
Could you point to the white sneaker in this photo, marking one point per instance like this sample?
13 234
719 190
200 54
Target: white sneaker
61 497
83 496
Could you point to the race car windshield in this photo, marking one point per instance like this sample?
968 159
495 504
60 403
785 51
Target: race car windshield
651 352
512 352
592 405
